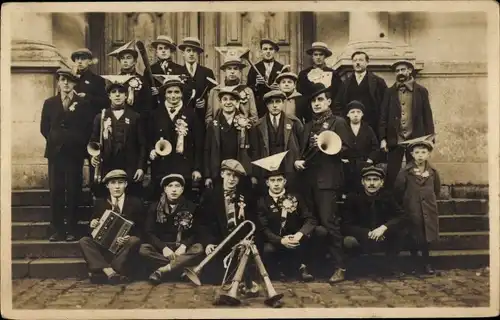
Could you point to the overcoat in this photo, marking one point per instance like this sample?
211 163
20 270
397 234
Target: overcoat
248 107
94 88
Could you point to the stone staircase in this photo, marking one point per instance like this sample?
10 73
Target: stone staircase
464 228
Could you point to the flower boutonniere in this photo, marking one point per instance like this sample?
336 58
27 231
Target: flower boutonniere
183 220
215 123
127 120
242 124
289 126
325 125
243 96
419 173
135 83
181 128
288 204
72 106
87 82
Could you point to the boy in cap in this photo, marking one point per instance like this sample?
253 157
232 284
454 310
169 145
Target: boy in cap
124 142
175 122
91 87
365 147
295 103
322 173
279 133
229 136
319 72
286 222
232 68
66 124
169 230
372 218
406 114
197 75
268 68
115 267
418 185
221 210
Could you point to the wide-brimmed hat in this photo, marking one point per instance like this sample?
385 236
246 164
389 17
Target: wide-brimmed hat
319 46
115 174
192 42
229 91
166 40
271 42
128 47
274 94
232 61
68 74
82 52
171 81
172 177
408 63
233 165
289 75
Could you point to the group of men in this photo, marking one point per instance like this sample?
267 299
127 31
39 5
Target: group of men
254 151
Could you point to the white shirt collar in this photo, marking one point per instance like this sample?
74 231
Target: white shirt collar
278 117
276 196
176 111
229 120
118 113
193 66
121 201
360 76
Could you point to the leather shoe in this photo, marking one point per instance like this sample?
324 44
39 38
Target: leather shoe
428 269
338 276
155 278
97 278
57 237
114 278
305 275
70 237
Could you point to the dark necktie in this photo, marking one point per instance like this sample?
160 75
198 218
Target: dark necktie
66 102
116 207
275 122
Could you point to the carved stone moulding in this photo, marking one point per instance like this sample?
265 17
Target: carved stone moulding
28 54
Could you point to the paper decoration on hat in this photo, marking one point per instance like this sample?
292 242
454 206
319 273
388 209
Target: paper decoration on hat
271 163
316 75
129 45
113 78
162 78
232 52
428 137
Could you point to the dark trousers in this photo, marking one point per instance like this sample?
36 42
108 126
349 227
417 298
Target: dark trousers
391 245
155 259
394 164
278 257
65 184
352 174
99 258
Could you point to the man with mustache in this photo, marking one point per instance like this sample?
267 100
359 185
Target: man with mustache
269 68
363 86
405 114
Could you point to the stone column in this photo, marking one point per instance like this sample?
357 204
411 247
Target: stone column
34 61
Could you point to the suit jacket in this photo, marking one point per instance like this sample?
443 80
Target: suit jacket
135 142
261 90
212 214
159 234
249 109
172 68
133 210
376 86
94 88
293 129
212 152
269 215
66 131
326 170
369 212
304 86
143 99
390 115
200 84
160 126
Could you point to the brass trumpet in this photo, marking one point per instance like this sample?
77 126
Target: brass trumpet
193 273
163 147
94 150
328 142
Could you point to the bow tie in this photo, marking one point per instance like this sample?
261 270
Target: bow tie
117 108
229 193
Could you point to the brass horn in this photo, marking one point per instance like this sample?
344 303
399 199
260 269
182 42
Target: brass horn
272 296
163 147
193 273
94 149
231 296
328 142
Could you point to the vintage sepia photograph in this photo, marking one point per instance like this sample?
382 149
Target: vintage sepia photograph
281 159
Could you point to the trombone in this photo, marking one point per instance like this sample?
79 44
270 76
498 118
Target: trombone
94 150
328 142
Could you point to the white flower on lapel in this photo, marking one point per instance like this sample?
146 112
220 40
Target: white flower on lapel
72 106
87 82
325 125
288 126
216 123
183 117
127 120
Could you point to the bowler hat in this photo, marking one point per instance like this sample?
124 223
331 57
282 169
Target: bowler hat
82 52
233 165
317 89
321 46
172 177
229 91
408 63
192 42
68 74
271 42
166 40
274 94
355 104
373 171
284 75
114 174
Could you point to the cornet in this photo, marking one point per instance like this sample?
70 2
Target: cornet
163 147
328 142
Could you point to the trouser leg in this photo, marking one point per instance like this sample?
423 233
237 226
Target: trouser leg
394 162
57 172
74 180
97 258
126 258
191 257
152 257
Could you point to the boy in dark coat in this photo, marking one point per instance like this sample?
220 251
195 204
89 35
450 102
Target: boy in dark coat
169 230
418 184
365 147
100 261
373 219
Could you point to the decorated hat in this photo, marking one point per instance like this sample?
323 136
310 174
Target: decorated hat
408 63
233 165
317 89
128 47
83 52
166 40
68 73
274 94
272 164
117 81
230 91
192 42
425 141
231 56
321 46
114 174
355 104
285 75
373 171
172 177
271 42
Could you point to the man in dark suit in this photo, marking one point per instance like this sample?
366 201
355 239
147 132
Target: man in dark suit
319 72
286 223
269 69
124 142
363 86
170 226
406 114
66 124
100 261
372 219
196 75
322 174
164 47
178 124
91 87
279 133
296 105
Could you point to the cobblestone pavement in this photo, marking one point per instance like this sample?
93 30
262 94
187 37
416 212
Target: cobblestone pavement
453 288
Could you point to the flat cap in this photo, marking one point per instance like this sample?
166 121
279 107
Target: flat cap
115 174
68 74
82 52
233 165
274 94
424 143
229 91
373 171
285 75
172 177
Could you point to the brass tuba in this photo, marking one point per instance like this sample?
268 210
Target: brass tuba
163 147
328 142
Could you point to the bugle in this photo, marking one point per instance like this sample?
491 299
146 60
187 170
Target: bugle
231 296
272 296
94 150
328 142
193 273
163 147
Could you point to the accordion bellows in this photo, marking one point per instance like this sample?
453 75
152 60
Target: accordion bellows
111 227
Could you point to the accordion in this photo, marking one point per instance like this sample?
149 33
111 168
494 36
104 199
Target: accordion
111 227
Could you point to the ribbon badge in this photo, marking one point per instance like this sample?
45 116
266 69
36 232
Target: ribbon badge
72 106
242 123
181 128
